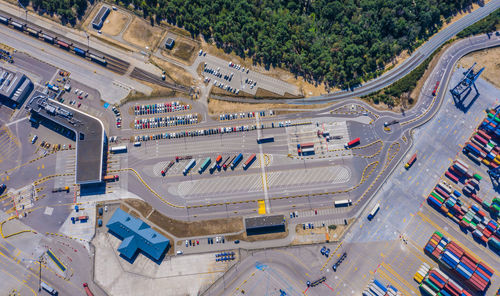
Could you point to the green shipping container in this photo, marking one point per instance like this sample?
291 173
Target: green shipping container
431 285
438 197
438 233
478 177
495 208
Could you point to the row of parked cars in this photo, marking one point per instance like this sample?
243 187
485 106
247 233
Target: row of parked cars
155 122
168 107
206 132
243 115
238 67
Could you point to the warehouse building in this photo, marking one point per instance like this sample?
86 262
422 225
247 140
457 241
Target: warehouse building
86 130
136 237
14 88
100 17
265 224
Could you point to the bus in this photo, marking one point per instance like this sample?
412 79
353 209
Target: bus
374 211
49 289
118 149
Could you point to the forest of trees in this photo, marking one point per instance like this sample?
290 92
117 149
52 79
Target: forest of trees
340 42
67 10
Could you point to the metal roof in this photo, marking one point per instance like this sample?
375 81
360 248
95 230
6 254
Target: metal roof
136 235
264 221
90 135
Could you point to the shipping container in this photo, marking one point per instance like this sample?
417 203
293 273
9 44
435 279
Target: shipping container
4 20
79 51
236 161
343 203
204 165
249 161
110 178
32 31
411 161
62 44
265 140
352 143
189 166
17 26
48 38
374 211
98 59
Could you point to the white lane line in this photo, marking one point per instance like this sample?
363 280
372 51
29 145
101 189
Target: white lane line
262 166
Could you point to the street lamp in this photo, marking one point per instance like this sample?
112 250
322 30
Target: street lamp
88 40
25 10
40 261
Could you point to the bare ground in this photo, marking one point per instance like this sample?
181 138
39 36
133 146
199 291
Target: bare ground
488 58
142 34
216 107
114 23
184 50
174 72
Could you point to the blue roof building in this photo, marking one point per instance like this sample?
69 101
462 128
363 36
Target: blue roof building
136 235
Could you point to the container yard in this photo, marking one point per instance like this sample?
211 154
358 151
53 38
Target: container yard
459 263
433 281
376 288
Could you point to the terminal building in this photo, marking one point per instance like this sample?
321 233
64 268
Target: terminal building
265 224
100 17
136 237
86 130
14 88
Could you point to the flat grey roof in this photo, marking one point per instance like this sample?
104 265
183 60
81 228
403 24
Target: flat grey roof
10 82
89 135
264 221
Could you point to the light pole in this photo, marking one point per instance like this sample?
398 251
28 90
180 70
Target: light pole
40 261
25 10
88 40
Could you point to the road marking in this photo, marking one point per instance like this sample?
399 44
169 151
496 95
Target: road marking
262 167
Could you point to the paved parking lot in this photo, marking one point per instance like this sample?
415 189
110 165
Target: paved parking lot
240 79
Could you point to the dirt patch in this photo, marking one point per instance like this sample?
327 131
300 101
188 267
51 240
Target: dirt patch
187 229
142 34
111 41
489 59
216 107
114 23
6 47
143 208
185 50
173 72
254 238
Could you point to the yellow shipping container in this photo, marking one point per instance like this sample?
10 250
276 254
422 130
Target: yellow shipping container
497 161
418 278
450 215
486 162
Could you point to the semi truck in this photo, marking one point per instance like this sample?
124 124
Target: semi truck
343 203
411 161
352 143
204 165
224 164
165 170
305 148
434 91
61 189
249 161
48 288
236 161
110 178
265 140
118 149
177 158
189 166
374 211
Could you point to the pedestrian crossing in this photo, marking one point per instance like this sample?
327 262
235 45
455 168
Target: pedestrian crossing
322 213
65 164
9 144
276 180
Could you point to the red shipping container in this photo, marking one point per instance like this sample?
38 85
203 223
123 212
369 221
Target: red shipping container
465 293
484 135
455 251
487 233
450 290
452 287
436 253
471 258
436 282
481 213
476 198
456 246
493 164
468 263
483 272
478 282
484 239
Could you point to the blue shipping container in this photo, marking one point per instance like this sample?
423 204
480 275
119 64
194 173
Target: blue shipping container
484 269
457 194
79 51
379 285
